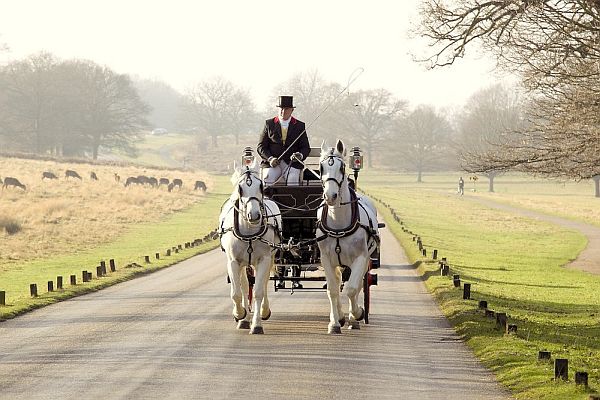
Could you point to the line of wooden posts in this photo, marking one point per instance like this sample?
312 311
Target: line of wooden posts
561 365
87 276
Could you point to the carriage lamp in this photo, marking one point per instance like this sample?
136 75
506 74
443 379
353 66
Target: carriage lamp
356 159
248 157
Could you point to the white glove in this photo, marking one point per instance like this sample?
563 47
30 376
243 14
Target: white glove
273 161
297 156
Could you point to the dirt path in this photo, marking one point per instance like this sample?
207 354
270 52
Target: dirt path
588 260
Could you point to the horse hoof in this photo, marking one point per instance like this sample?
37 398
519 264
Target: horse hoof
268 316
342 321
354 325
240 318
335 330
362 314
243 324
257 330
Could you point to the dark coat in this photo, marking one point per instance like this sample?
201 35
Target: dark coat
270 144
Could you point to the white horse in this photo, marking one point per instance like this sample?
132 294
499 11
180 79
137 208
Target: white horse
249 225
347 234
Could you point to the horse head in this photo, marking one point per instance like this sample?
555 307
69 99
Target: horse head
248 192
333 172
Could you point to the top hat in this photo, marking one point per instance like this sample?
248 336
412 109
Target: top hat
286 102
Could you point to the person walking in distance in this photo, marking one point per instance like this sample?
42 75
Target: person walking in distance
461 186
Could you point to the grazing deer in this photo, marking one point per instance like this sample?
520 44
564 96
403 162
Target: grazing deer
8 181
163 181
153 182
93 176
177 182
73 174
117 178
200 186
48 175
131 180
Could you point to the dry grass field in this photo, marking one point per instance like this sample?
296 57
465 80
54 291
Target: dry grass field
63 215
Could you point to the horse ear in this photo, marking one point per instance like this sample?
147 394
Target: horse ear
340 147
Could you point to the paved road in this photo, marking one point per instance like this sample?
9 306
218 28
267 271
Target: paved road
169 335
588 260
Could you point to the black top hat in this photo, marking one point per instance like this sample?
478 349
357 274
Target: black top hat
286 102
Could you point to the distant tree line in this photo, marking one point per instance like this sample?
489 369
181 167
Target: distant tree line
67 108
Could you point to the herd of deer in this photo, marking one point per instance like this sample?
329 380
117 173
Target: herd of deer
132 180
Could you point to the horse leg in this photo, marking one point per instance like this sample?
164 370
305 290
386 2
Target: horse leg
265 309
333 292
353 287
240 313
262 272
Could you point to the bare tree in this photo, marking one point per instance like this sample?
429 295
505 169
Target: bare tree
555 45
489 114
28 98
209 105
365 117
422 138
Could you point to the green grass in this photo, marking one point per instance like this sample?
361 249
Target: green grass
143 239
515 264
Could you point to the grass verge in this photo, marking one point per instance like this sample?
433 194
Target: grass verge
129 249
515 264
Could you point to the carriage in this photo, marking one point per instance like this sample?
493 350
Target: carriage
299 266
300 237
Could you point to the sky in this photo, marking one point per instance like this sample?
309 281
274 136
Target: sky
254 44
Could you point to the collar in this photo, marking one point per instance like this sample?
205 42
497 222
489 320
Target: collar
292 120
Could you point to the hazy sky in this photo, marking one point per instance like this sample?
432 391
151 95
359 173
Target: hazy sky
255 44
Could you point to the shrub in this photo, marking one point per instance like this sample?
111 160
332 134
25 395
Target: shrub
10 225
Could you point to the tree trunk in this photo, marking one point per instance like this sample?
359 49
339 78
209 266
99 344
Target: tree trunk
419 175
596 179
491 187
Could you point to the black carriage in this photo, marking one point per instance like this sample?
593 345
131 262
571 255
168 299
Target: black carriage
298 260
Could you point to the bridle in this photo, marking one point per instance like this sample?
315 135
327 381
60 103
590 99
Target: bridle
330 161
242 205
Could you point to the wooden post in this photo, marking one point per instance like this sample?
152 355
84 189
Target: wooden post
33 289
50 286
147 259
59 283
2 298
157 255
99 271
84 276
180 247
502 321
543 355
456 279
467 291
581 378
482 304
445 270
111 262
90 276
435 254
424 252
561 368
103 265
73 280
168 252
